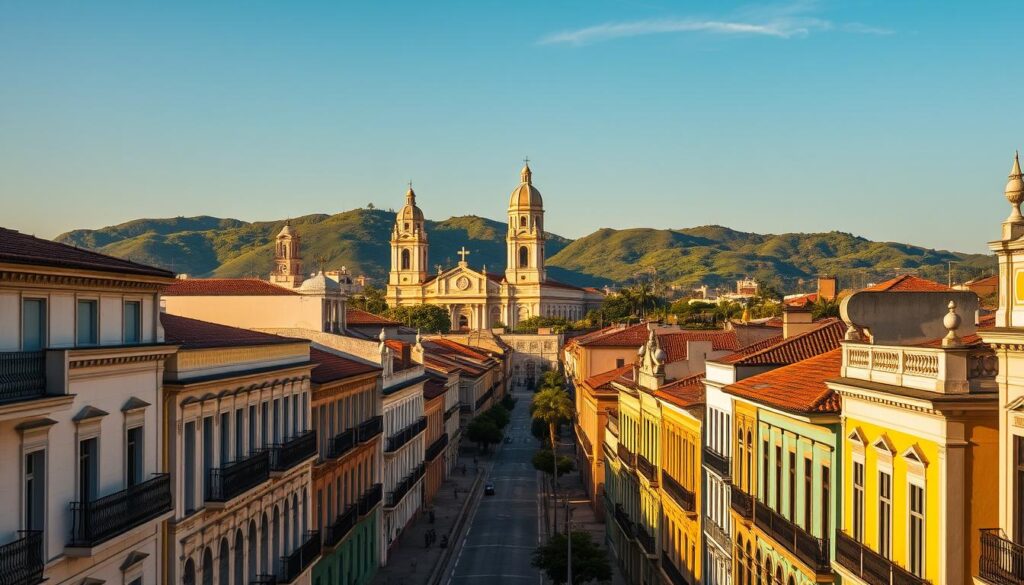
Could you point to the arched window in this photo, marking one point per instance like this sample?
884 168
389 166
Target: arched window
778 574
253 571
207 567
760 569
524 257
405 260
750 565
265 558
741 571
188 576
463 322
522 221
767 570
239 558
223 562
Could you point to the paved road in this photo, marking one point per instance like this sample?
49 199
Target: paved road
503 528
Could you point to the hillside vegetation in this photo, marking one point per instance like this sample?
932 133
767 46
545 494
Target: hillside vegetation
359 239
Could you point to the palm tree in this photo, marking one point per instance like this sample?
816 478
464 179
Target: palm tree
552 405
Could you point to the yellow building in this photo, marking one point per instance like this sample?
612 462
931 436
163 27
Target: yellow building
920 436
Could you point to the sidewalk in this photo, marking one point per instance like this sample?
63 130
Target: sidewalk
409 561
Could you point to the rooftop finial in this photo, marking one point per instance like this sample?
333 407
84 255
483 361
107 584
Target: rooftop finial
410 195
951 322
526 174
1015 189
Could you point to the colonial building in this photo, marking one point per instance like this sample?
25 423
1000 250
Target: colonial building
82 353
477 299
236 412
346 477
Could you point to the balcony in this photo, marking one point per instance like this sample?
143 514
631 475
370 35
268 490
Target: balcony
720 463
675 576
646 540
22 375
1002 561
395 496
264 580
100 520
293 451
871 567
341 526
717 534
484 397
370 428
234 479
626 456
301 558
399 439
686 499
813 551
625 523
341 444
742 503
935 369
437 447
21 561
370 498
646 468
584 441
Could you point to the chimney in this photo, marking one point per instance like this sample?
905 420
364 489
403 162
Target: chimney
796 320
406 355
827 286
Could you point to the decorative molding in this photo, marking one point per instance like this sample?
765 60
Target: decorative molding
79 281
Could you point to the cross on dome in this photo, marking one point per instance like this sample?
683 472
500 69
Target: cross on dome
463 253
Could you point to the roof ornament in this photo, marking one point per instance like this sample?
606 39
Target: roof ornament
410 195
1015 189
526 174
383 335
951 322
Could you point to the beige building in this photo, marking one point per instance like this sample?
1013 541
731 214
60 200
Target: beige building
477 299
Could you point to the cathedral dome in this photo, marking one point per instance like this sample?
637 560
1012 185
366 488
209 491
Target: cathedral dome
525 195
320 285
409 211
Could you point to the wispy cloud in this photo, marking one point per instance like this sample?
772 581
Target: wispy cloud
779 21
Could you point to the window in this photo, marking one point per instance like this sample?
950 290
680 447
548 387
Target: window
405 260
522 221
778 479
225 437
264 420
620 362
87 320
207 449
132 321
808 490
1018 496
524 257
33 324
917 534
791 504
858 501
35 490
826 502
277 421
239 433
88 469
765 468
885 514
190 466
134 464
252 429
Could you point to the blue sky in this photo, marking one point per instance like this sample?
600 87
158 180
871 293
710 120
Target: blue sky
891 122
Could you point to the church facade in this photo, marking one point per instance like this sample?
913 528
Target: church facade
477 299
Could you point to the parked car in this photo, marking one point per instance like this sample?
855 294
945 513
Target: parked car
489 489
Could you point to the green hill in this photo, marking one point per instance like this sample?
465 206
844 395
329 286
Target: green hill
358 239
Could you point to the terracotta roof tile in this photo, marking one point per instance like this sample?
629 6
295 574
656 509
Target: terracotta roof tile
802 300
684 392
196 334
19 248
674 342
603 380
798 388
225 287
825 337
359 317
433 388
331 367
908 283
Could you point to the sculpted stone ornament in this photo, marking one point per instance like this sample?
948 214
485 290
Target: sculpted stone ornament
951 322
462 283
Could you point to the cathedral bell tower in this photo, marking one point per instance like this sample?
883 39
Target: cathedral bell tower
408 245
525 239
287 258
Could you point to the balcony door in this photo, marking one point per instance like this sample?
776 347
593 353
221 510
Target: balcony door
1018 494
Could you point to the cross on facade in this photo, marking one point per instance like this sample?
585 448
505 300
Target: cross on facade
463 253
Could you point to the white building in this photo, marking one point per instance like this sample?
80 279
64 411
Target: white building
237 406
82 353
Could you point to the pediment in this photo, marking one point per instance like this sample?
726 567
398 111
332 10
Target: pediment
884 444
915 454
1016 405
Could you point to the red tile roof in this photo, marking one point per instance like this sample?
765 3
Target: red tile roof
674 342
359 317
331 367
684 392
433 388
798 388
802 300
447 346
19 248
225 287
196 334
908 283
603 380
825 337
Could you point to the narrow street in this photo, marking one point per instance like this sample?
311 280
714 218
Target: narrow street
503 528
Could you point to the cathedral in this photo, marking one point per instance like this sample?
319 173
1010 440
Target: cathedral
477 299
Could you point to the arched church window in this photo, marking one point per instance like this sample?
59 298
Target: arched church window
524 257
522 221
463 322
405 260
406 226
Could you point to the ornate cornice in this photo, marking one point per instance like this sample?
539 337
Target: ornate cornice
76 281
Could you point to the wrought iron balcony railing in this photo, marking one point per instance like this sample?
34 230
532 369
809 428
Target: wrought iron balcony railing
21 561
742 503
341 526
370 428
686 499
625 523
808 548
675 576
437 447
584 440
646 468
1002 561
293 451
22 375
399 439
626 456
717 533
264 580
238 477
395 496
301 558
370 498
341 444
483 397
871 567
100 520
645 539
720 463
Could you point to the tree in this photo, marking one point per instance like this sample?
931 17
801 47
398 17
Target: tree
542 462
589 561
825 308
552 405
482 431
508 402
552 379
426 318
372 301
531 324
499 415
539 429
